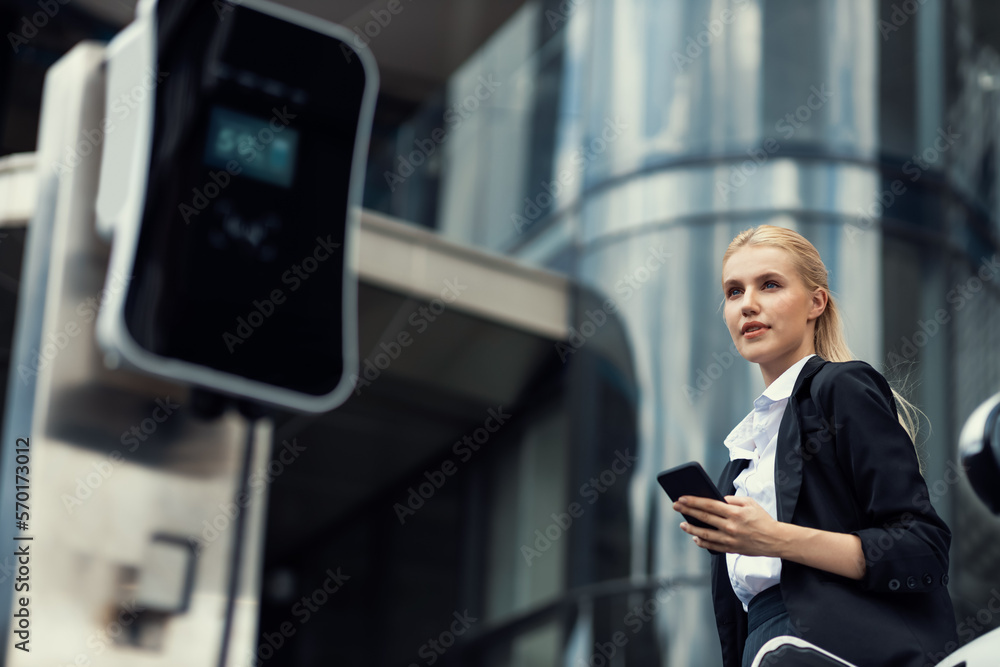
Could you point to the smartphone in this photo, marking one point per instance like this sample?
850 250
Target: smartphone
689 479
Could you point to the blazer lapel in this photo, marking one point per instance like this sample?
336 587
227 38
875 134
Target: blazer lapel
788 457
727 480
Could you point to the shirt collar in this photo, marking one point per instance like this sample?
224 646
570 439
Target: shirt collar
783 385
740 440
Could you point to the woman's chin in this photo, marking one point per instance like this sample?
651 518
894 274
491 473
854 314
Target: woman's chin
764 359
755 354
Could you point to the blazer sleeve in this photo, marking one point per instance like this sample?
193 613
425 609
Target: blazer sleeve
905 542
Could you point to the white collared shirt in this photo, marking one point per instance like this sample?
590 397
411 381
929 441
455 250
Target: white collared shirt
755 438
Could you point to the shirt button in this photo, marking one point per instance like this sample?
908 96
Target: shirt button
894 584
911 582
928 580
944 579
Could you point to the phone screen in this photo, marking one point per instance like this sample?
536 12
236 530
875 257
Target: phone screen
689 479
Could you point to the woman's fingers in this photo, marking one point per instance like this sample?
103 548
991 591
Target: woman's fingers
710 511
705 504
710 519
705 537
736 527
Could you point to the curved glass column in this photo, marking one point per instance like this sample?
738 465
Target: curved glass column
679 125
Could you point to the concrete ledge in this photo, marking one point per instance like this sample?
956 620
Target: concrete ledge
399 256
415 261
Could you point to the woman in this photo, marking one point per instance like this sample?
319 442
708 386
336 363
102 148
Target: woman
827 532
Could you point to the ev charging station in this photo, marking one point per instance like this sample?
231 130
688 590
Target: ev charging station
190 267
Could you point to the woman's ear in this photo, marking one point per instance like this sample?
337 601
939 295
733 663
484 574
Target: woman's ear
819 300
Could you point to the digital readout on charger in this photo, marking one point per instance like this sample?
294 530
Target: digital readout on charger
265 149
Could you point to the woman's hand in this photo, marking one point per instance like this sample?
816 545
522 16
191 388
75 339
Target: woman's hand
742 526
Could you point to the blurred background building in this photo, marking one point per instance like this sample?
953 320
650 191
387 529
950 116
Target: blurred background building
489 490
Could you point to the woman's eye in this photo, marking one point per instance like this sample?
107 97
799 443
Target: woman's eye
734 291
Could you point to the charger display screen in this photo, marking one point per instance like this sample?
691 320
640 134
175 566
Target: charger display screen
240 260
263 148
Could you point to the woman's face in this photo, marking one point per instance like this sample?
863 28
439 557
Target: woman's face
770 313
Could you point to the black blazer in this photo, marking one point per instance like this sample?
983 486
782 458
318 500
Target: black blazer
854 472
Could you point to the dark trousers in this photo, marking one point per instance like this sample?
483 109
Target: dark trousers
767 619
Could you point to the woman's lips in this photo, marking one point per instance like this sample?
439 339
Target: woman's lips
755 333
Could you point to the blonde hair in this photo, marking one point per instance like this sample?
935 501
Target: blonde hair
828 338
